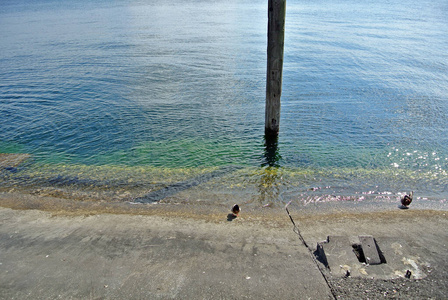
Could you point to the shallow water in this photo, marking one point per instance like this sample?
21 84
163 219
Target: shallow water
132 96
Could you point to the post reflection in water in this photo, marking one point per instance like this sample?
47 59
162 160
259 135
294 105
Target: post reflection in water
271 151
270 177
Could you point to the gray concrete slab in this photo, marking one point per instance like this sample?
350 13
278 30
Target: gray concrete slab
150 257
182 251
337 255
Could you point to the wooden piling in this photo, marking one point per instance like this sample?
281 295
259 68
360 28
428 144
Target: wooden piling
276 37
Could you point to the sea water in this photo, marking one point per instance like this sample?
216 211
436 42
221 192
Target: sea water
138 95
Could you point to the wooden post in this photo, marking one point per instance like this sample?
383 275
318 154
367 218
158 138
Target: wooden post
276 37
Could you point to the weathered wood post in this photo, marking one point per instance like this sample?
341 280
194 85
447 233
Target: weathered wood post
276 37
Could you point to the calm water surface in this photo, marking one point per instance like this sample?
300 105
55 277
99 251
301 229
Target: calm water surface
104 93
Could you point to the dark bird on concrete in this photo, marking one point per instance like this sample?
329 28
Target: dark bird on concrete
236 209
407 199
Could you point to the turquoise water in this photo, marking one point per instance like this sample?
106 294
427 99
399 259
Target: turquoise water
180 85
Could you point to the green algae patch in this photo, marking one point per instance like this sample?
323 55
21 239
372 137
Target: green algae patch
119 173
184 153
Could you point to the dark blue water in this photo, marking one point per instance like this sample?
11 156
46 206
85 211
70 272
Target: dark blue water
181 84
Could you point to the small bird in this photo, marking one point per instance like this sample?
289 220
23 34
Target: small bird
236 209
407 199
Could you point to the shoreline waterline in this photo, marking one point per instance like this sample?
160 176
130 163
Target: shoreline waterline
127 189
273 214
